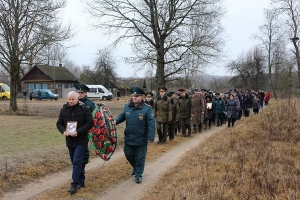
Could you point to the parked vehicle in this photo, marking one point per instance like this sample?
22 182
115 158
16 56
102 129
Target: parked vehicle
45 94
99 91
4 91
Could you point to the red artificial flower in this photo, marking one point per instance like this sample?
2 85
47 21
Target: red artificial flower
96 152
97 131
101 123
95 138
101 137
95 121
103 130
110 149
99 144
113 140
98 114
103 156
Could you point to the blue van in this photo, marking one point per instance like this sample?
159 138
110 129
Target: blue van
45 94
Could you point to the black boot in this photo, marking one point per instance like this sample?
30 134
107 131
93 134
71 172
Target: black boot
189 130
205 125
195 130
200 128
159 132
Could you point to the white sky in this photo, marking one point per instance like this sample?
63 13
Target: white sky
241 22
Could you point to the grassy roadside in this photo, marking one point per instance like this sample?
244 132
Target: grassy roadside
257 159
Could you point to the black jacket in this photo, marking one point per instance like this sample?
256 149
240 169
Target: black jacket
82 115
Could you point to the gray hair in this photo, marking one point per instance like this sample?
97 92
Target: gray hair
73 93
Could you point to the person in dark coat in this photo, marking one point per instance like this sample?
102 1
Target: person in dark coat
82 90
139 131
186 107
219 109
255 104
77 112
175 115
208 110
231 110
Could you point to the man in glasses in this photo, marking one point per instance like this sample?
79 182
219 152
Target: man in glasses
82 90
139 131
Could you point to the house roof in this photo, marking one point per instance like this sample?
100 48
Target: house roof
57 73
61 73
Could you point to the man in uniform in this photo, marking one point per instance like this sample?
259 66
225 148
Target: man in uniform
175 115
82 90
186 111
198 102
149 99
163 114
139 131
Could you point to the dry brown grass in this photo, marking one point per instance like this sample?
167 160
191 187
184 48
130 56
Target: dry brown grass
258 159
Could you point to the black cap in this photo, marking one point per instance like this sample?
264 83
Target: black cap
149 94
170 94
217 93
82 88
195 90
137 91
181 90
162 89
203 90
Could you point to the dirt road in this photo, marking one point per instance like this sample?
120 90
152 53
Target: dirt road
127 189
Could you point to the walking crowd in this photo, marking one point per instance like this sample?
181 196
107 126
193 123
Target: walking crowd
168 114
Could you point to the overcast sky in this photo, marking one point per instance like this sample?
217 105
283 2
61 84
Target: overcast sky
241 22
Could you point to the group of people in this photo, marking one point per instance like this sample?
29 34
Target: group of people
168 114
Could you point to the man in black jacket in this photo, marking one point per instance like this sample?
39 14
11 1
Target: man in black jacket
78 113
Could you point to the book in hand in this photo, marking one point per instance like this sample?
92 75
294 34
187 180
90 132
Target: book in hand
71 127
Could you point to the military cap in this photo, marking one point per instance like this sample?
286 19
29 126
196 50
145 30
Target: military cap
195 90
137 91
203 90
170 94
217 93
149 94
210 91
181 90
82 88
162 89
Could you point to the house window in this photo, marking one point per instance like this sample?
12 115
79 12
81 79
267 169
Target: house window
38 86
62 86
31 87
45 86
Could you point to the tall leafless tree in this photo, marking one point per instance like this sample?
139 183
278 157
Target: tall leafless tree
290 10
270 36
26 27
161 30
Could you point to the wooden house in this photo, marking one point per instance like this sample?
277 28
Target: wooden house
45 77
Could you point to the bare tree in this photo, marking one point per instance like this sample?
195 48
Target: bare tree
291 19
26 27
161 30
271 36
248 70
103 72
